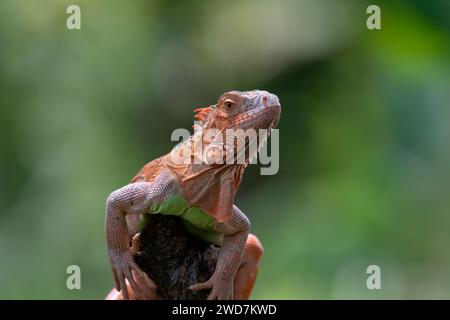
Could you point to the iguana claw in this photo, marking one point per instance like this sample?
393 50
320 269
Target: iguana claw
124 270
221 288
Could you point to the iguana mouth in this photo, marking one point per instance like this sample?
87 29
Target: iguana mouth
264 117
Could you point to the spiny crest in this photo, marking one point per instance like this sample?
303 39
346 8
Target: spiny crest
202 115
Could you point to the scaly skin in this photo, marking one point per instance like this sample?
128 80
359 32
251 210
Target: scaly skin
209 187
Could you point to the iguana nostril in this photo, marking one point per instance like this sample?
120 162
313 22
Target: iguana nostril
274 101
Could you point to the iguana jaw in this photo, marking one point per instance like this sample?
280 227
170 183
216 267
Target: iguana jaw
262 117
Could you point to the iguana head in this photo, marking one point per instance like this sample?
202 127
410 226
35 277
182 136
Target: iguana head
255 109
237 118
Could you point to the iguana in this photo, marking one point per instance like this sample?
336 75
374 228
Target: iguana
201 192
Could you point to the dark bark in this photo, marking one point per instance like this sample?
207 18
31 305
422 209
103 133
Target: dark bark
174 259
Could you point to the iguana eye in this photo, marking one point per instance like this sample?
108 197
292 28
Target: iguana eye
229 104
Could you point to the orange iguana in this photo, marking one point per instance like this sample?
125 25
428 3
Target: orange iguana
186 183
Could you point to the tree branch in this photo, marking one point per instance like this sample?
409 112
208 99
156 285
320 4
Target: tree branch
175 259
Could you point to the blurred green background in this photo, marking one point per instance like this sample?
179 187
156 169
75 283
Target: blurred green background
365 129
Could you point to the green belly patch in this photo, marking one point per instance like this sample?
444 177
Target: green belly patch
195 220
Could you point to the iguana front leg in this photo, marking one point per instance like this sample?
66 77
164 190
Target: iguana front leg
134 198
235 235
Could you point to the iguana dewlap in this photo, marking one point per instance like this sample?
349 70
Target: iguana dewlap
186 183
